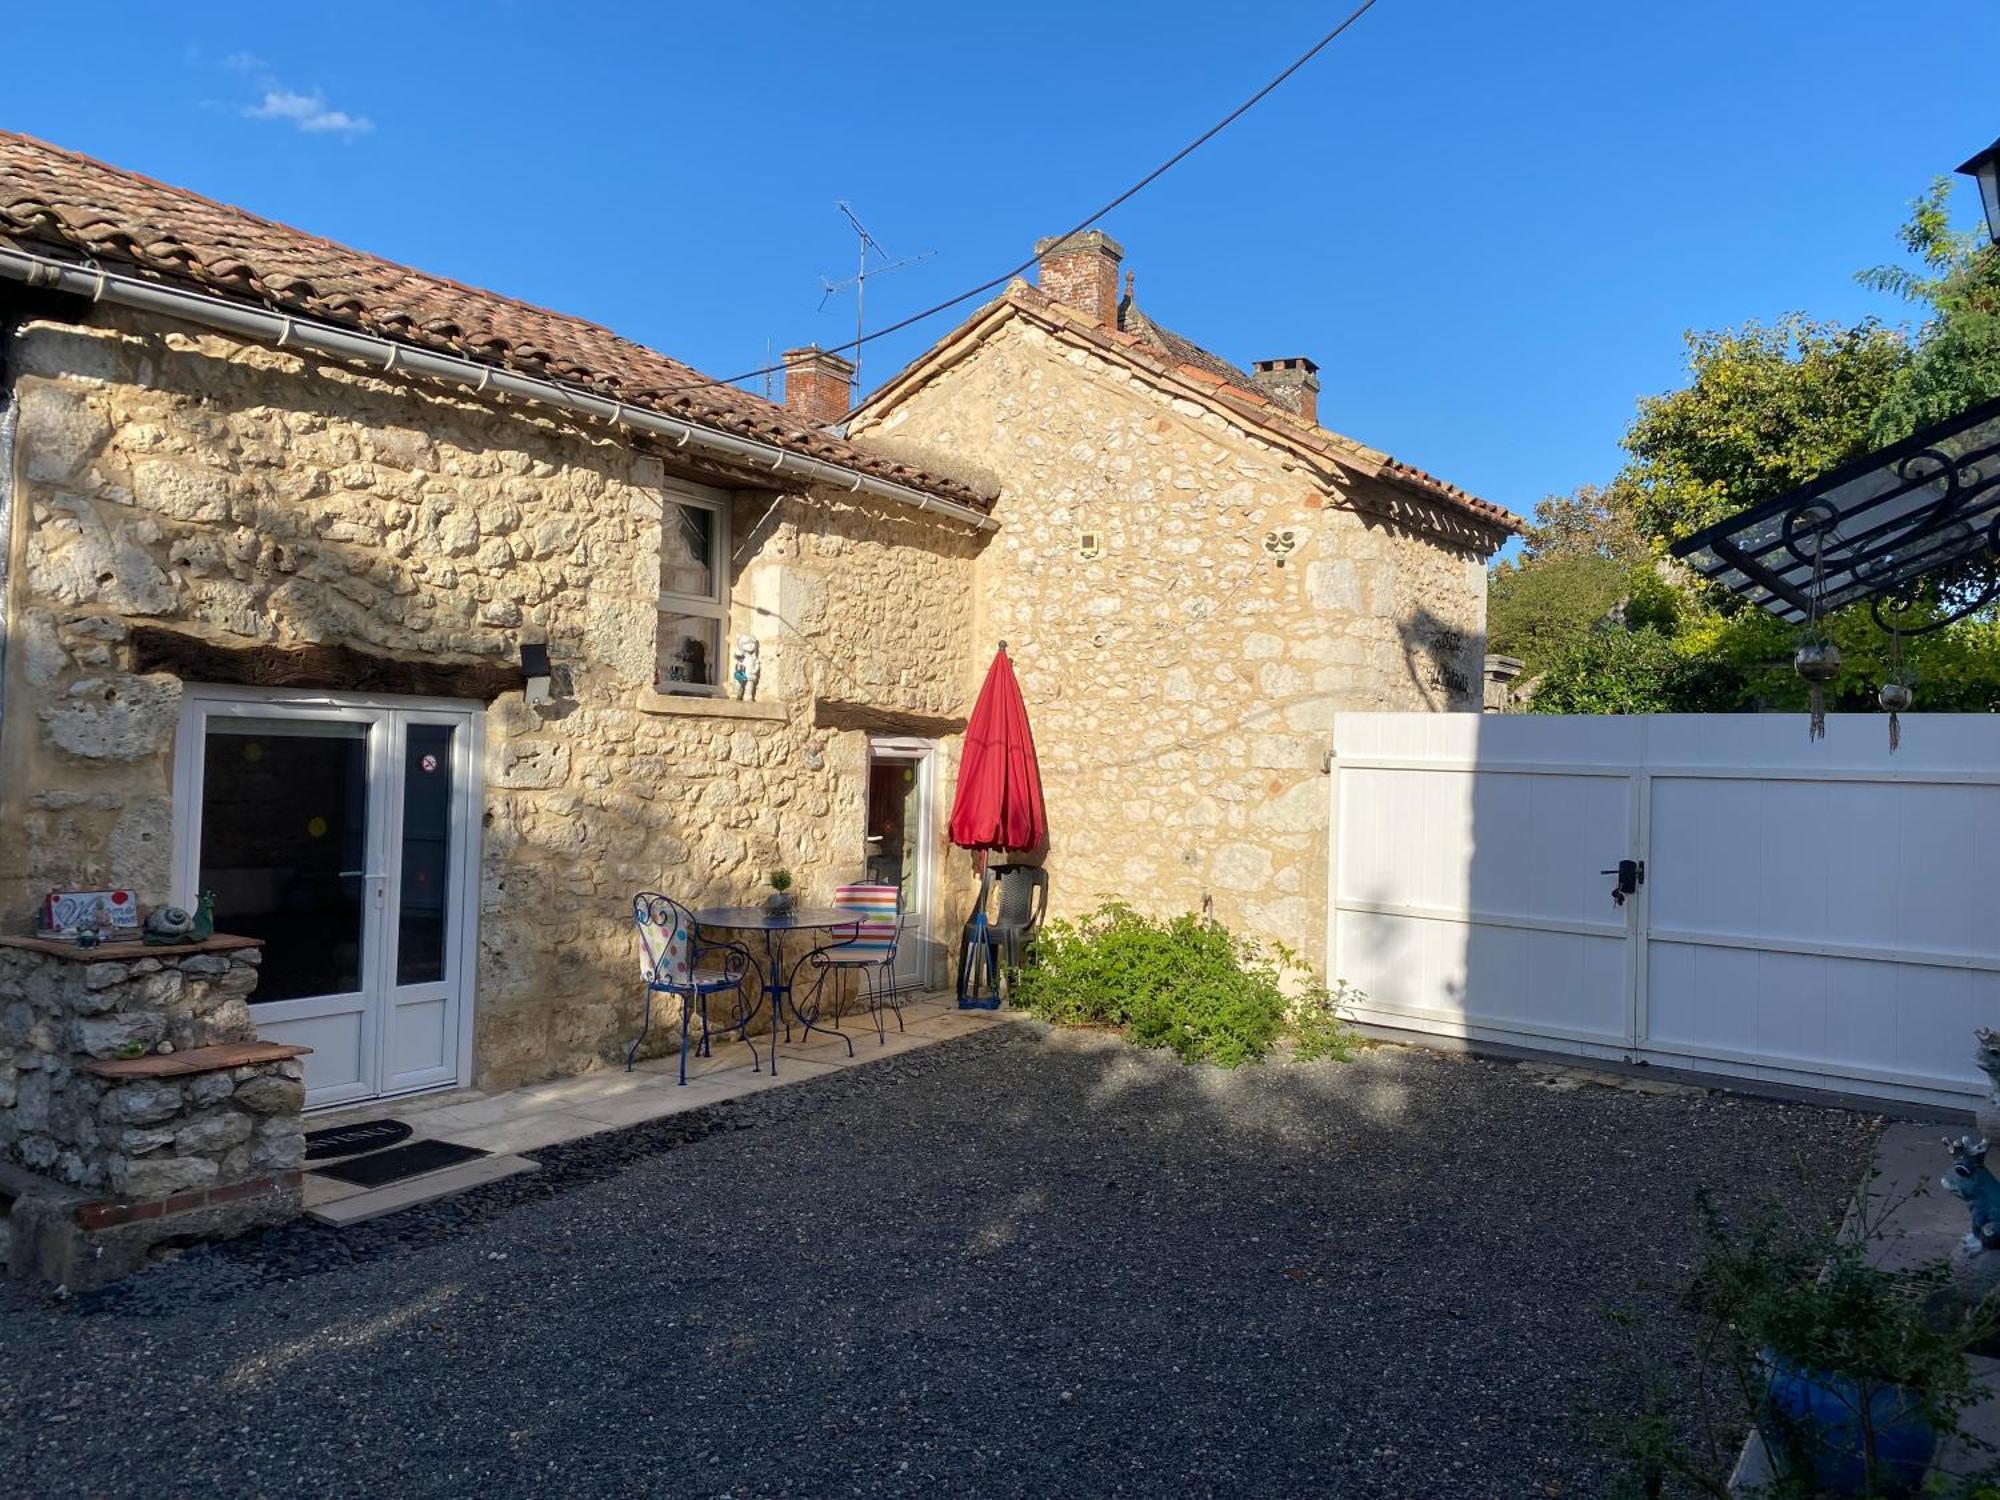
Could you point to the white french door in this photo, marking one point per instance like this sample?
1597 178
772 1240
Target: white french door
900 836
344 832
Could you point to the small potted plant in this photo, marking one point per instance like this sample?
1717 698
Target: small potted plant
780 900
1850 1373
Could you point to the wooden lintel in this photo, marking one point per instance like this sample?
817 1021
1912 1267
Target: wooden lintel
833 713
333 666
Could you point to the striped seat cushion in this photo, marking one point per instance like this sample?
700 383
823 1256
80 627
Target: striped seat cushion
863 952
877 908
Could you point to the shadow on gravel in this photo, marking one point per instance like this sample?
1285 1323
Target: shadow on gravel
1018 1264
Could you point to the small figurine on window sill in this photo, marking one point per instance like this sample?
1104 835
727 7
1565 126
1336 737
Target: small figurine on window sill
747 667
690 662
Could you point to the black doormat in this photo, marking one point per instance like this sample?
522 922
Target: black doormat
379 1167
352 1140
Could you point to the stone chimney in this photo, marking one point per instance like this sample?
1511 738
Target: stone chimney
1292 383
819 386
1081 272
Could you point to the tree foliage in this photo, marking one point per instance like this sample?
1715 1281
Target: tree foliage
1607 625
1767 407
1594 521
1538 607
1956 361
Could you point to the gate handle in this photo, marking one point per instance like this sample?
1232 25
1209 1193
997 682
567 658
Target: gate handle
1631 875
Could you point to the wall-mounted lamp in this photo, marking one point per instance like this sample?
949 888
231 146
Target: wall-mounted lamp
535 670
1984 169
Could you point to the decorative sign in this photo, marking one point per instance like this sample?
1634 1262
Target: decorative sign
66 913
429 764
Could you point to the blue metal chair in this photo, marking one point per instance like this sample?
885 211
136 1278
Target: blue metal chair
868 948
673 960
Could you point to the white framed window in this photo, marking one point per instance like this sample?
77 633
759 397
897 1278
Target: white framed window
694 591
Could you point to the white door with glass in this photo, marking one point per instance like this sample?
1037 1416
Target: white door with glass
342 831
899 839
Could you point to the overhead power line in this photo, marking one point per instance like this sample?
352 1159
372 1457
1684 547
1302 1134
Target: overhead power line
1131 192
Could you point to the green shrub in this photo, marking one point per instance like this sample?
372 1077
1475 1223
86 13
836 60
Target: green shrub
1318 1029
1178 982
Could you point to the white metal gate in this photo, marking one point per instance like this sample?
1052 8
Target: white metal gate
1819 914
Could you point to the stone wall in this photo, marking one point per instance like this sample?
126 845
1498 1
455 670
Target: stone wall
140 1138
168 476
1188 607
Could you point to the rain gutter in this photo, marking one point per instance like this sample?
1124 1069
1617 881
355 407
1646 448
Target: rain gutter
283 330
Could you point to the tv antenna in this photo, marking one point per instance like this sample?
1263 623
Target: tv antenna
859 280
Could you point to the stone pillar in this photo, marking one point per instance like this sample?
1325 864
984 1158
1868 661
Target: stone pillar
137 1105
1501 673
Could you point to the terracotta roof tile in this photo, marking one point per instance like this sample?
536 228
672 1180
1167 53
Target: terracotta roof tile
1182 351
51 198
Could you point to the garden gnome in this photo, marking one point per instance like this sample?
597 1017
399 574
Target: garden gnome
745 673
1975 1264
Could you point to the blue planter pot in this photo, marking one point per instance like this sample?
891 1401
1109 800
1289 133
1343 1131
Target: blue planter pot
1829 1407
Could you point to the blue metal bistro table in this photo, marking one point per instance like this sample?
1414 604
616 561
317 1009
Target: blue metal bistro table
776 926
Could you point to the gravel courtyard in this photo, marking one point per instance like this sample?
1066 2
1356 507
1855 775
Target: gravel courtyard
1016 1264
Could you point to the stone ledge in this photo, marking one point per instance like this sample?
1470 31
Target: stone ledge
104 953
215 1059
652 701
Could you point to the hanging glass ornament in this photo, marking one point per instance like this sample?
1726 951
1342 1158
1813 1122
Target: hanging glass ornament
1818 662
1809 532
1897 692
1895 696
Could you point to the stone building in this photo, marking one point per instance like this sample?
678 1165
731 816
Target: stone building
285 526
401 616
1193 575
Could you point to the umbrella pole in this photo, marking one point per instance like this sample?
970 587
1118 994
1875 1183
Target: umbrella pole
975 968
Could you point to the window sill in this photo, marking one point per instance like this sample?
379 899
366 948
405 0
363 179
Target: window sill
694 705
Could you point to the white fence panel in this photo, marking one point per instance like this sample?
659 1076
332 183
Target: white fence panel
1812 912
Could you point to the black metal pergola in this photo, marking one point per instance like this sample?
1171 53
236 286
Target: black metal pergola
1912 530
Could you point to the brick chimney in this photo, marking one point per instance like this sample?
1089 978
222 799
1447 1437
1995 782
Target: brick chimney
1081 272
1292 383
819 386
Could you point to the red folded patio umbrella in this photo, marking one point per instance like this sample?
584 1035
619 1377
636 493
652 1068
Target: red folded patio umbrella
999 800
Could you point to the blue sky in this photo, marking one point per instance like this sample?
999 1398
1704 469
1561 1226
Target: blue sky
1489 223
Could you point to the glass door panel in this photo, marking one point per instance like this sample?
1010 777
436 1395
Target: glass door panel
892 823
423 894
422 985
898 834
284 847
